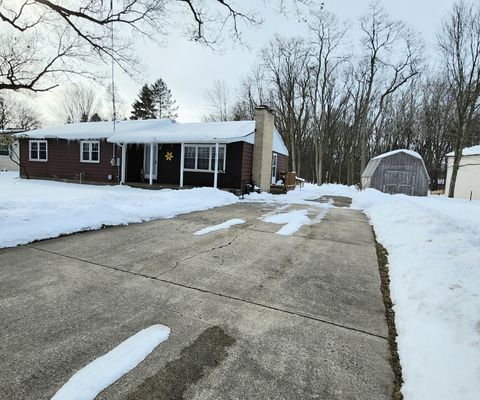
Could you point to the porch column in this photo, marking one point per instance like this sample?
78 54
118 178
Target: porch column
124 161
182 157
215 175
151 165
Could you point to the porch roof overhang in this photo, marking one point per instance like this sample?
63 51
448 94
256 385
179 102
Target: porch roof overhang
208 132
198 133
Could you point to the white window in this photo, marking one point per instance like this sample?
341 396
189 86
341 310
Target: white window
90 151
201 157
38 150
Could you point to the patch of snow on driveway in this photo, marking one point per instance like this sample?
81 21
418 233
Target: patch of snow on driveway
293 220
224 225
88 382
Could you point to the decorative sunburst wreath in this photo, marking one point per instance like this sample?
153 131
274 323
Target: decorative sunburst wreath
169 156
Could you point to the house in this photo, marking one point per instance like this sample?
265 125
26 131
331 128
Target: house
467 185
8 153
227 154
398 171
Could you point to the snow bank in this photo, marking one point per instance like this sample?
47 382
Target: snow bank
34 209
434 260
87 383
301 195
224 225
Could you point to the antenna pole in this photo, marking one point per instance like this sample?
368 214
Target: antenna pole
113 72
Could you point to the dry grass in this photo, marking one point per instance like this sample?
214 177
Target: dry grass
382 256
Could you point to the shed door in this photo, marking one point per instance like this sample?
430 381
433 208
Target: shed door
399 182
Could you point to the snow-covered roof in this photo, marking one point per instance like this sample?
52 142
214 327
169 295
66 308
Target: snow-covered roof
95 130
194 132
468 151
198 132
158 131
391 153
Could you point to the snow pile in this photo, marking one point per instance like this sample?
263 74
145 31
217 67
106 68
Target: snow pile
294 220
302 195
434 260
224 225
87 383
34 209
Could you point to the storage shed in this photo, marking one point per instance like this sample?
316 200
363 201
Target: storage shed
398 171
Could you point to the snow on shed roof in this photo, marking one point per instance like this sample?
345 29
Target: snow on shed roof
374 162
468 151
391 153
158 131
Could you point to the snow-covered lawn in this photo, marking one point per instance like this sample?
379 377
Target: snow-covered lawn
434 260
36 209
433 245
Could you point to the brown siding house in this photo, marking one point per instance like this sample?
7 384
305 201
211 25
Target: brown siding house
94 152
64 162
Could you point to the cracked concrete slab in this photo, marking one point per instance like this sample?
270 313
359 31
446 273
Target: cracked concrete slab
304 312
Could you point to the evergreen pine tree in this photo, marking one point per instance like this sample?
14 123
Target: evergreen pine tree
95 118
164 101
144 106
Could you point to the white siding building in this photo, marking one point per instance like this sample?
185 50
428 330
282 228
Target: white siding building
6 164
468 177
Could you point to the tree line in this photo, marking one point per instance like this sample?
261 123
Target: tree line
337 108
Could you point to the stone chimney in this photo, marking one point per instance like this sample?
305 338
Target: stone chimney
262 148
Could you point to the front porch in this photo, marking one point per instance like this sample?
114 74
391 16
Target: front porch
183 165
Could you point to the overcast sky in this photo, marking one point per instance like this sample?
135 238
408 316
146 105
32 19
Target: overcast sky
188 68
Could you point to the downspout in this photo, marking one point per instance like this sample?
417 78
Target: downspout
182 165
215 176
150 182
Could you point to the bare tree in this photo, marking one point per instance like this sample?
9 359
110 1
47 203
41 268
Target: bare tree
121 108
16 117
77 103
327 38
218 99
6 113
459 42
390 59
26 118
285 63
46 38
433 138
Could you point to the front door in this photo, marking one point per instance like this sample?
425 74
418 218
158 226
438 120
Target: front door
146 160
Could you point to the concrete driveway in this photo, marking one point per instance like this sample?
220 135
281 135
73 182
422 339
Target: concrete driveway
253 315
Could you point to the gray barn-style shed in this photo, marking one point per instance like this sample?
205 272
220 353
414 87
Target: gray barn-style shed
398 171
